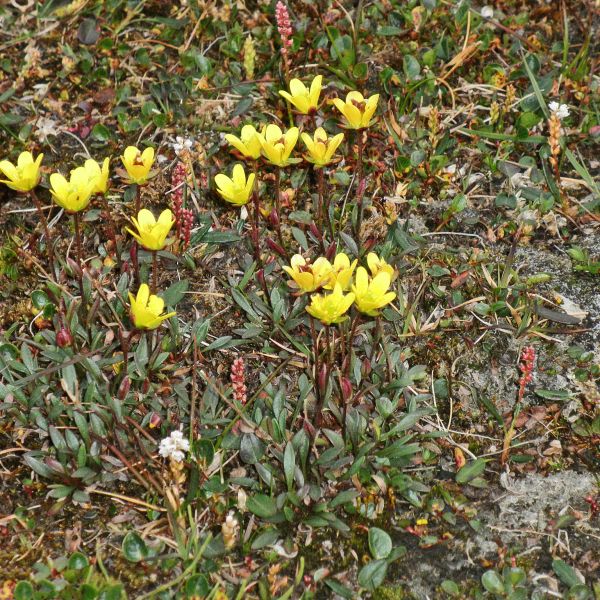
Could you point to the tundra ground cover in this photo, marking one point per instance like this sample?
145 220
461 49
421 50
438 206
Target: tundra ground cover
300 300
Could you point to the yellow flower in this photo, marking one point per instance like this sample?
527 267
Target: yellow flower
306 276
248 143
320 147
23 176
357 110
73 195
305 100
99 174
152 233
377 265
341 272
277 146
146 309
331 308
371 295
138 164
235 189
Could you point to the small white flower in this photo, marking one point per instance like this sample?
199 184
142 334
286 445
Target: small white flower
182 144
487 12
560 110
174 446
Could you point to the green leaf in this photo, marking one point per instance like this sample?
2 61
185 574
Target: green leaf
565 573
174 293
39 299
39 467
342 50
388 30
197 586
372 575
471 470
553 394
251 448
289 464
23 591
78 561
266 538
262 506
101 133
411 66
134 548
88 592
61 491
380 543
111 592
492 582
450 588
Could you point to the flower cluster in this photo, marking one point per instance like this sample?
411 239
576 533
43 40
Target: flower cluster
369 292
174 446
238 380
284 26
230 530
276 145
526 366
74 195
560 110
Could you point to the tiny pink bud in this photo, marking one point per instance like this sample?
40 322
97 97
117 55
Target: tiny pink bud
276 247
331 251
315 231
274 218
323 378
260 276
362 186
74 267
346 386
369 244
124 388
366 368
64 338
155 421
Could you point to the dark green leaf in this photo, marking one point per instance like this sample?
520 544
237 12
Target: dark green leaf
380 543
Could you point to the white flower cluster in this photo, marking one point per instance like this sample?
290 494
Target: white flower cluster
174 446
182 144
560 110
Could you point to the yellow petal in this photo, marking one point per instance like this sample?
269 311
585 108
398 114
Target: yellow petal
143 295
315 90
297 88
